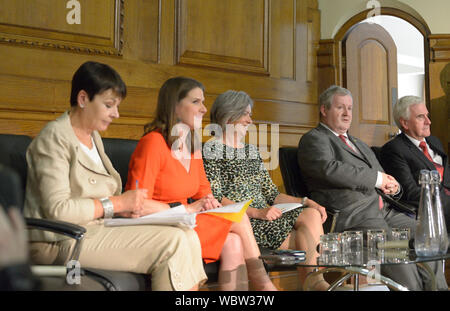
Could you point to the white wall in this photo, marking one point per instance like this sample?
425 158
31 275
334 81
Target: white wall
410 84
334 13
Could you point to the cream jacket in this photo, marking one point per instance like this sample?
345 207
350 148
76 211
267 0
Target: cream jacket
63 181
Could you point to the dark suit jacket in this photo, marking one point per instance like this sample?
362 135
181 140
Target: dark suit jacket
403 160
339 179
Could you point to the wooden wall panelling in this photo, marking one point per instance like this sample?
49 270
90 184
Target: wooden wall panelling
326 64
308 37
440 47
229 34
439 69
46 64
283 26
313 38
142 32
44 24
167 32
264 47
24 123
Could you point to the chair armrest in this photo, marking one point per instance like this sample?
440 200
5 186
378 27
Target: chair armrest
65 228
333 214
330 224
400 206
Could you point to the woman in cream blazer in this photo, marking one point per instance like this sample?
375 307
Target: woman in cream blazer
70 178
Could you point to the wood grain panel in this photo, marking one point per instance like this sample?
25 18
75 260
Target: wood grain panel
313 44
326 65
45 95
439 70
167 32
293 113
283 17
210 33
373 63
39 95
43 24
440 100
266 48
371 76
142 32
440 48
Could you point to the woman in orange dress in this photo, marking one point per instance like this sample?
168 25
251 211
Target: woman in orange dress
168 163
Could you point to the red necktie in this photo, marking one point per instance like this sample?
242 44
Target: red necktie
344 139
380 202
439 167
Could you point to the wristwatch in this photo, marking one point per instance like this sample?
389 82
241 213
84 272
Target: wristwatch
108 208
173 204
304 200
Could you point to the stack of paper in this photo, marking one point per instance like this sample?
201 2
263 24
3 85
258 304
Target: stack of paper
178 216
171 216
286 207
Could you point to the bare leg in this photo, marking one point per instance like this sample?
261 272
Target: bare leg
256 272
305 236
232 270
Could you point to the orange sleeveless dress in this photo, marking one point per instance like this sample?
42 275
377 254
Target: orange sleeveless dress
166 179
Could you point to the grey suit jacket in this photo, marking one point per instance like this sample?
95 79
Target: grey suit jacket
338 178
62 180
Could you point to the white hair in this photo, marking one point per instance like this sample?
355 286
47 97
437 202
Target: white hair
401 109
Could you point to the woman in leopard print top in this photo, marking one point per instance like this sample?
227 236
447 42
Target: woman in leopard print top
237 173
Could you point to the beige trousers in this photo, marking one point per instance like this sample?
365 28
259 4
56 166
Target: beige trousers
172 255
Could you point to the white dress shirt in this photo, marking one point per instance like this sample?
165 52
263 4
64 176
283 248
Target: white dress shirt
93 153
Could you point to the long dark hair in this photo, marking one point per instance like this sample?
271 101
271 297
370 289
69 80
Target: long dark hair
170 94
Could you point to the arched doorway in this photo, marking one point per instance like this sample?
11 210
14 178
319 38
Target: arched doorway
335 51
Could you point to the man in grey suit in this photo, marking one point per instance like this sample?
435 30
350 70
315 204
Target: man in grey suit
343 174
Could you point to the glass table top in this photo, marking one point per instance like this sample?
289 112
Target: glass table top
363 259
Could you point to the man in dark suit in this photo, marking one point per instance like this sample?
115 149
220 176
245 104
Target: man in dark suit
413 150
343 174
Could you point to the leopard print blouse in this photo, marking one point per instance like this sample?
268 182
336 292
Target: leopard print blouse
239 174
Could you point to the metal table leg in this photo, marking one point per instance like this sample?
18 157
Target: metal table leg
353 271
356 282
427 268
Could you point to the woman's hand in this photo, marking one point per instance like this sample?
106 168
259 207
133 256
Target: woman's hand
269 213
206 203
130 203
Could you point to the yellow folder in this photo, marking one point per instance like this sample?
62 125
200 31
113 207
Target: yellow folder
234 216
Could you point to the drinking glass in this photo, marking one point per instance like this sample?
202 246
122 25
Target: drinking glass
330 248
374 237
399 234
352 246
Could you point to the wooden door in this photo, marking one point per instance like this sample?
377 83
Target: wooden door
371 75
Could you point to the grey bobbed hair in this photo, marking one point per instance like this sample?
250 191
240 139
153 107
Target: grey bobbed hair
229 107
